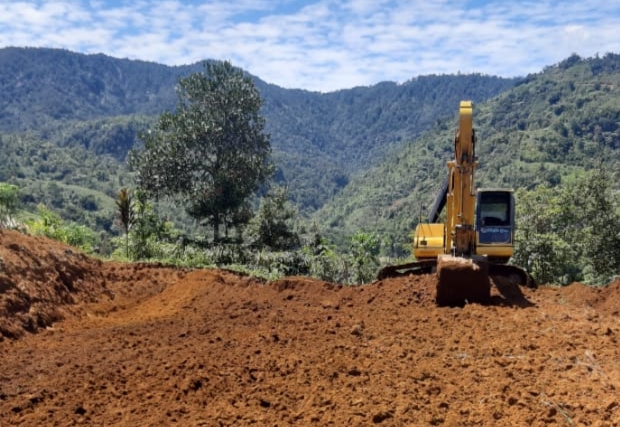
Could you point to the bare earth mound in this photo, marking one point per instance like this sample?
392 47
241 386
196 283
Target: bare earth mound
148 345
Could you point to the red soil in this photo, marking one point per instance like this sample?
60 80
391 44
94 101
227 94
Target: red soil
101 343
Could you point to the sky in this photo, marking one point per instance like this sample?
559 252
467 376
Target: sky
324 45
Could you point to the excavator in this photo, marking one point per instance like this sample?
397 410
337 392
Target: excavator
474 244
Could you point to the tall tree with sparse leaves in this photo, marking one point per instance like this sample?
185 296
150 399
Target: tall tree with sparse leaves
212 152
125 206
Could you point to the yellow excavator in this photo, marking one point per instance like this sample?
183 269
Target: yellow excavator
476 241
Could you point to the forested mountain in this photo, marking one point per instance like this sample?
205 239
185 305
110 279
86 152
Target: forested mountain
93 105
39 86
548 128
375 154
319 140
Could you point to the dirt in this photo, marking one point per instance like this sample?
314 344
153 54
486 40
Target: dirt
85 342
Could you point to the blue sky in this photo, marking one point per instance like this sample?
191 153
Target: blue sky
324 45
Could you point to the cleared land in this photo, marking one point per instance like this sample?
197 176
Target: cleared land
93 343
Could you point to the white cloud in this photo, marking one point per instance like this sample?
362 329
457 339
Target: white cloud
324 44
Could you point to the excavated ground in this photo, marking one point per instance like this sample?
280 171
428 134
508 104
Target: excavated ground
85 342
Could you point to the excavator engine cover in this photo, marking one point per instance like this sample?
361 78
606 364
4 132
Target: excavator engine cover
462 280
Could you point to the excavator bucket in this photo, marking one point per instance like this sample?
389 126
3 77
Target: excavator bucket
462 280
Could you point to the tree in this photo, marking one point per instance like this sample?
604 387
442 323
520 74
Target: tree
274 225
600 224
570 232
147 228
9 199
125 206
364 248
212 152
546 242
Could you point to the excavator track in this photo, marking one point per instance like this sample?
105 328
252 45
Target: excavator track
417 267
514 273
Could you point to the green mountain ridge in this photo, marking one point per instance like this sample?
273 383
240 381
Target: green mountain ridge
367 158
41 85
546 129
347 130
98 104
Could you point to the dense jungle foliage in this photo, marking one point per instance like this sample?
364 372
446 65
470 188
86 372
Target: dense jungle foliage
359 166
319 139
550 127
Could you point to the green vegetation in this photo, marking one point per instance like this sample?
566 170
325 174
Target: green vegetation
50 224
96 105
212 153
9 199
570 232
549 128
274 225
360 166
126 214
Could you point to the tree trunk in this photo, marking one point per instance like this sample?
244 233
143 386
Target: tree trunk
216 230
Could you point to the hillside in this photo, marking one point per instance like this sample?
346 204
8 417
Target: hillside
320 140
40 86
549 127
92 343
330 149
94 105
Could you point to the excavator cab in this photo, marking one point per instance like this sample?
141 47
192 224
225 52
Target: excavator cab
495 224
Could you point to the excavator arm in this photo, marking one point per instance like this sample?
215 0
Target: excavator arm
461 197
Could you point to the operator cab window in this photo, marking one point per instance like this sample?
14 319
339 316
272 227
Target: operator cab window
494 208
